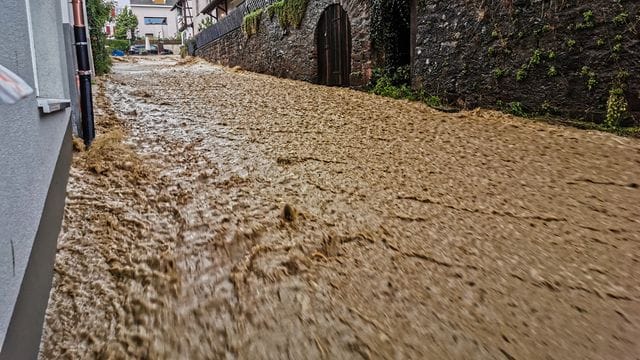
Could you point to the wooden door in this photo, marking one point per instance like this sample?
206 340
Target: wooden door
333 40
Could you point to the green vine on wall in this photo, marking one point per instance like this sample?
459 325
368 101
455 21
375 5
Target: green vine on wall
617 105
389 26
290 12
251 22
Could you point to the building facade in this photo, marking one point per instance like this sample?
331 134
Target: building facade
35 155
155 19
194 16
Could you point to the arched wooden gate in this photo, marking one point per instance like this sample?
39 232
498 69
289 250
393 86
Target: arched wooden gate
333 40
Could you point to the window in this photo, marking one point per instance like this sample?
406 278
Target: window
48 55
155 21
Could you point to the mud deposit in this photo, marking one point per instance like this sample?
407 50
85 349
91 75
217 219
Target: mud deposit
226 214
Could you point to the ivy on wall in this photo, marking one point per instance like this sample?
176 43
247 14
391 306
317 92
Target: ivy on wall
615 28
251 22
389 30
290 12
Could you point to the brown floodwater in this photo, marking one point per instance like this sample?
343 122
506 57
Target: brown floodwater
223 214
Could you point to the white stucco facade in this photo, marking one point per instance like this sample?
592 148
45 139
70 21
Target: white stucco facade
152 13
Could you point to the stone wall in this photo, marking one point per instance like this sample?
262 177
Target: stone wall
292 53
552 56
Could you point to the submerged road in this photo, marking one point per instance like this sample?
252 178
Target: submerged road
223 214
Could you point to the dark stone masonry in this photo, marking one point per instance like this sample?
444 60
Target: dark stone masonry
542 56
571 53
292 53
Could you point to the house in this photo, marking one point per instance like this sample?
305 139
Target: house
194 16
35 155
110 25
155 19
218 9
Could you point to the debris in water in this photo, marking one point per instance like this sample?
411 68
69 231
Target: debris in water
78 144
289 213
417 239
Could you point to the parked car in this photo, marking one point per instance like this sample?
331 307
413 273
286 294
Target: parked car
154 50
137 50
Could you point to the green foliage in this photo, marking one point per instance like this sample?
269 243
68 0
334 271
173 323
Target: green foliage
617 48
515 108
571 43
499 73
547 108
622 76
551 55
535 57
397 76
126 21
389 24
617 107
251 22
98 12
621 18
521 74
115 44
205 23
394 85
540 31
433 101
587 21
552 71
384 87
592 80
600 42
290 12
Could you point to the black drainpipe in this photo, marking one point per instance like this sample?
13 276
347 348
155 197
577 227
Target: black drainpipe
84 72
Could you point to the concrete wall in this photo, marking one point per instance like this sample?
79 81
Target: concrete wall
463 47
34 160
292 53
141 11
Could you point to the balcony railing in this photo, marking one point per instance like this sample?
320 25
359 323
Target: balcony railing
231 22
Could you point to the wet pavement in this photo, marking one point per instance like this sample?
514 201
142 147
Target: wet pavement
227 214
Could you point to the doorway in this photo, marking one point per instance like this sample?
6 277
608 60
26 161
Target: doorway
333 41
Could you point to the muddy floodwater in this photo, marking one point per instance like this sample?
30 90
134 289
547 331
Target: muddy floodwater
223 214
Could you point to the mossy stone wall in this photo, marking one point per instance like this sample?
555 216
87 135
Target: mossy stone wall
291 52
559 57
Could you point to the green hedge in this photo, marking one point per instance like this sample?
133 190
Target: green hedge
118 45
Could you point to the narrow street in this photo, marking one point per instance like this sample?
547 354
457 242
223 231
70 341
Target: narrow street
222 214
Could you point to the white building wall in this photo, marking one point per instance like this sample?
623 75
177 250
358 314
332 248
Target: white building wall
168 31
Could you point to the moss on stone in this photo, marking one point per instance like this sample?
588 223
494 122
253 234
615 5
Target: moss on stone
290 12
251 22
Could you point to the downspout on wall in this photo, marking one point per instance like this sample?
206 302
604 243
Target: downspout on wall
84 71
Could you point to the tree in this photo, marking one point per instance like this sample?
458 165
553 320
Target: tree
126 21
205 23
98 12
